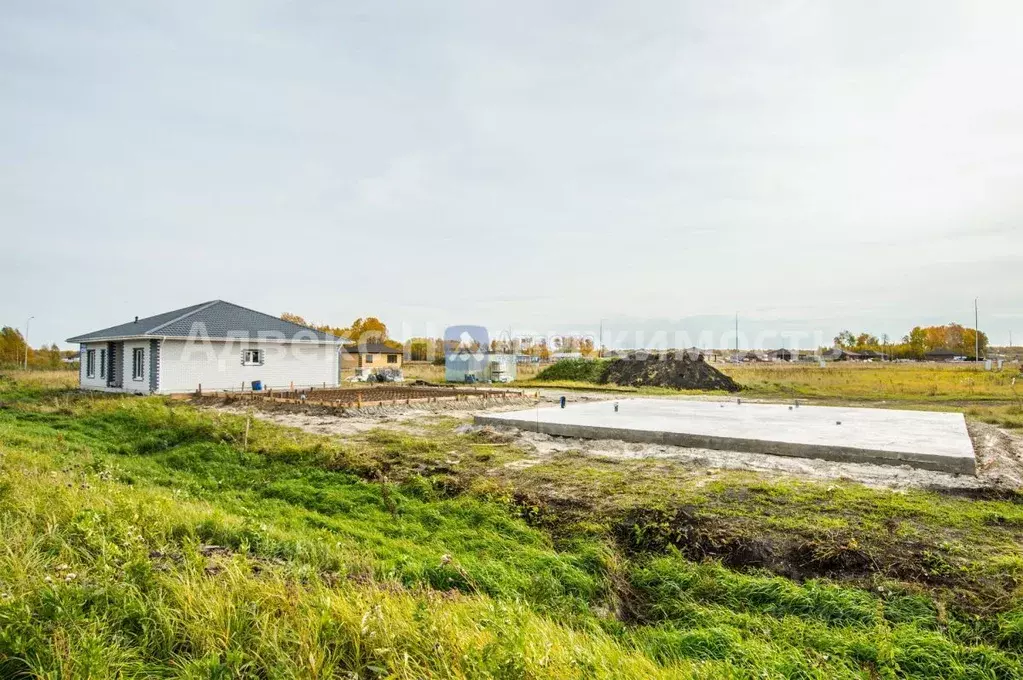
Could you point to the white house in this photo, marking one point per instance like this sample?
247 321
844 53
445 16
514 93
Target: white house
217 345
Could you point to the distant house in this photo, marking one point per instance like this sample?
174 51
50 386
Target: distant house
371 356
527 359
839 354
217 345
870 355
940 354
780 355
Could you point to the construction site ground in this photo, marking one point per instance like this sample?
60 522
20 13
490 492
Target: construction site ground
956 536
999 451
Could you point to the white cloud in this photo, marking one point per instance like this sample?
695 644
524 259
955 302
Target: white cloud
530 164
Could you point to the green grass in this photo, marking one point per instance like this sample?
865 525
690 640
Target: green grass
845 380
960 550
145 538
841 380
1009 416
989 396
576 370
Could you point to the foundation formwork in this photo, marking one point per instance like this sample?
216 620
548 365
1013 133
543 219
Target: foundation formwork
353 398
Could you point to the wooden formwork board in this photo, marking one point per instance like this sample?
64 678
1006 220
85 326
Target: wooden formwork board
370 403
383 393
366 398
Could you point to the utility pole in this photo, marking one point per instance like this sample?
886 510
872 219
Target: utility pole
27 321
736 337
976 332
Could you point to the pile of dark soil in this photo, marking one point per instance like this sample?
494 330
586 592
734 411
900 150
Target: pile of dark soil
680 370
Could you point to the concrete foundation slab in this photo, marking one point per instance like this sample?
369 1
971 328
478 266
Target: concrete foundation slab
922 439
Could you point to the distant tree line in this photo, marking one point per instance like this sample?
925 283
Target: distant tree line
372 329
918 342
368 330
12 352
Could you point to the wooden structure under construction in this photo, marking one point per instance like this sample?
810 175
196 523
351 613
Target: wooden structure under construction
362 397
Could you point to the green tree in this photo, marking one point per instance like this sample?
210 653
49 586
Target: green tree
969 346
845 339
419 349
370 329
12 346
916 342
294 318
866 341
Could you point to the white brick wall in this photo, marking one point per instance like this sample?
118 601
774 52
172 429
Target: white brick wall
95 382
218 365
129 384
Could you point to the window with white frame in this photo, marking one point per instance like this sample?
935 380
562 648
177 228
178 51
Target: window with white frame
90 363
252 357
102 363
138 363
369 358
392 358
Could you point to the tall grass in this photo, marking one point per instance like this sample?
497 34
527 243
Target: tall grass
581 370
848 380
140 539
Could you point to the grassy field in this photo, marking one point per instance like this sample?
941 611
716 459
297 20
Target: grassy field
990 396
865 381
994 397
145 538
908 381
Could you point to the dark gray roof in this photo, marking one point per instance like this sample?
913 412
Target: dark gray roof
220 320
372 348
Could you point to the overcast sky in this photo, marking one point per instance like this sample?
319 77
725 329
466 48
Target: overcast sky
535 165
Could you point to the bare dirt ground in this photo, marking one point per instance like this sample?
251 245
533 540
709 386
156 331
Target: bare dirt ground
999 452
411 419
999 460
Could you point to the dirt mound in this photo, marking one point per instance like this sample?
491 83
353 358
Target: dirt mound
681 371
